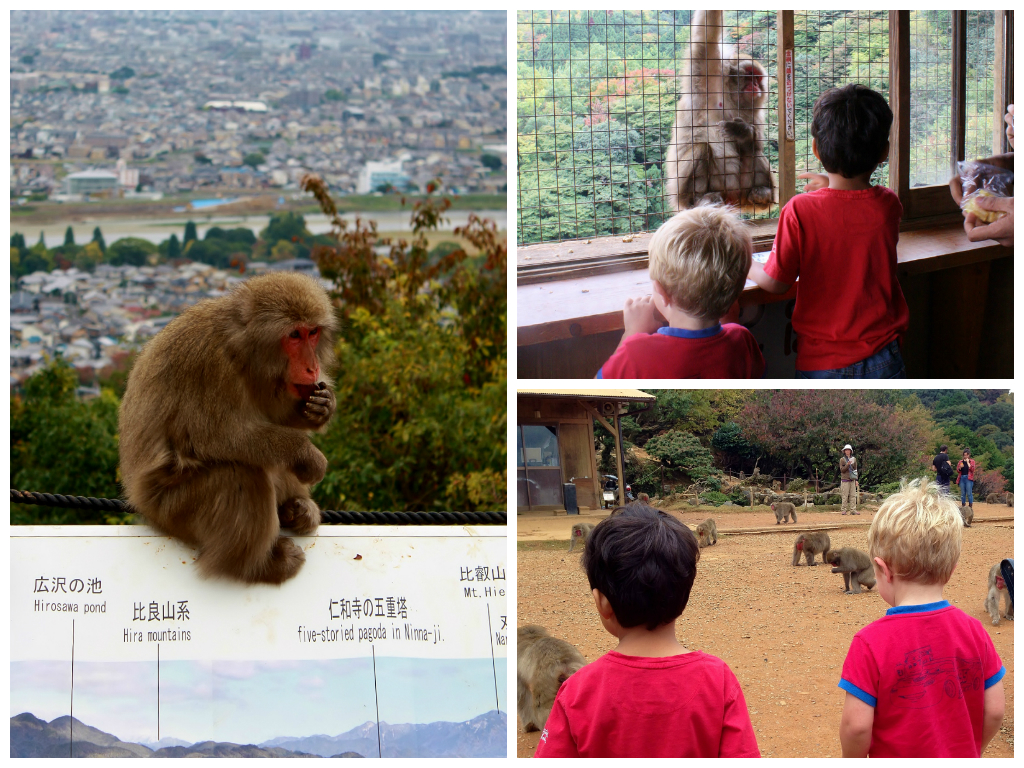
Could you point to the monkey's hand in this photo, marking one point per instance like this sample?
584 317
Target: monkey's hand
738 129
301 515
815 181
320 406
310 467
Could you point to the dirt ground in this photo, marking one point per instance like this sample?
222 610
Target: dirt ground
784 631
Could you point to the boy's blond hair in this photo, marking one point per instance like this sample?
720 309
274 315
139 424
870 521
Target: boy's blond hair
701 257
918 532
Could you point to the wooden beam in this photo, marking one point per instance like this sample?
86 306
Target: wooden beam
958 104
899 102
1003 90
787 106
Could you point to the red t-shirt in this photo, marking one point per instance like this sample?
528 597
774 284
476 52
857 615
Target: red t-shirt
925 670
842 246
721 352
689 705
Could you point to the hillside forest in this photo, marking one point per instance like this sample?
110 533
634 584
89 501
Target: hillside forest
699 436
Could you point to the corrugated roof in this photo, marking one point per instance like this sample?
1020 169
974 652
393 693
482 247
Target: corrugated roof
608 394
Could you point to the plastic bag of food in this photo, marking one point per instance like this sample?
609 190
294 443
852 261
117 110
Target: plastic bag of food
980 179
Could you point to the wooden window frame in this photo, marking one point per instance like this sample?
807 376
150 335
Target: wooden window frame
923 207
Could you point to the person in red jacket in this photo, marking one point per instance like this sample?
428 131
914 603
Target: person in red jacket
965 479
650 697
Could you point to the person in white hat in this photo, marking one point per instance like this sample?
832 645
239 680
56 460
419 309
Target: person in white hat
848 480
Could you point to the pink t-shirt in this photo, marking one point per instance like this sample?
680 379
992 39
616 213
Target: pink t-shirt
689 705
842 246
925 669
721 352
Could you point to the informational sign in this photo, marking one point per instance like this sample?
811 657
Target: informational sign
790 102
391 641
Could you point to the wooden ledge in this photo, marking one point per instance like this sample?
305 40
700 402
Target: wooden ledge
592 303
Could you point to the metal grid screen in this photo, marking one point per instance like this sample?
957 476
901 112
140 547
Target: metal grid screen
981 63
830 49
595 103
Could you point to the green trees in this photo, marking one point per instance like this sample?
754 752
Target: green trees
130 250
253 159
60 444
190 232
97 237
421 381
69 236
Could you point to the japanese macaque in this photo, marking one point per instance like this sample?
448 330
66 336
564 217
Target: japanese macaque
995 586
580 532
717 150
810 544
215 423
543 663
856 567
967 513
783 511
707 533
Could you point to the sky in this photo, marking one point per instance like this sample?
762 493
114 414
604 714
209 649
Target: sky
250 702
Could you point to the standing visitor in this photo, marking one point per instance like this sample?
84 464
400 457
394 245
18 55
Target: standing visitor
965 479
848 480
943 469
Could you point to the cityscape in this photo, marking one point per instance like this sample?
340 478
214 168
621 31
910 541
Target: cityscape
153 113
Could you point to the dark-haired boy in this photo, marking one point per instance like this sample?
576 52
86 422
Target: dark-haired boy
650 697
840 240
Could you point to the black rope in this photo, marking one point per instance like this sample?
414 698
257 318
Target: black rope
327 516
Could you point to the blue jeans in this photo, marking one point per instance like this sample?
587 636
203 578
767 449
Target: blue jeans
886 363
966 490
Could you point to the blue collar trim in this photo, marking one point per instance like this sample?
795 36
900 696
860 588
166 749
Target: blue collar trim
682 333
898 609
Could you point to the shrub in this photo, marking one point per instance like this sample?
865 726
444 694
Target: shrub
715 498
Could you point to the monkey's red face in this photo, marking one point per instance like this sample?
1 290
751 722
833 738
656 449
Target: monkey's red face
751 81
303 366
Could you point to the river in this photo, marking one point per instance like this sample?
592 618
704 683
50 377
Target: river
158 230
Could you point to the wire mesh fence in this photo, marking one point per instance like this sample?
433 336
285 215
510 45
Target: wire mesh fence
832 49
596 101
599 91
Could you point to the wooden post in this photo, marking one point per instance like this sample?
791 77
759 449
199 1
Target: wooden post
787 106
622 459
1003 81
899 102
958 138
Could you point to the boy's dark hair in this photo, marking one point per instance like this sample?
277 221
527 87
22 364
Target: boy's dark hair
851 125
644 562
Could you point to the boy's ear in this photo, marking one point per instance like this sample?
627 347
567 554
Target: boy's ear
883 569
662 293
604 608
814 148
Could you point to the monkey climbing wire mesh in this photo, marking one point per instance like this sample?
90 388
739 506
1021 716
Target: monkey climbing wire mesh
327 516
596 97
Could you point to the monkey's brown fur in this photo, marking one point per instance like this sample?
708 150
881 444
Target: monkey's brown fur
543 663
580 532
811 544
707 533
717 148
967 513
783 510
992 600
855 565
214 448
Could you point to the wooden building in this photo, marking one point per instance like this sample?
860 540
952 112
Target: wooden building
555 444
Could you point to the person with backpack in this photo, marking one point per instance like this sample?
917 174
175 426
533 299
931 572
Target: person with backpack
943 469
848 480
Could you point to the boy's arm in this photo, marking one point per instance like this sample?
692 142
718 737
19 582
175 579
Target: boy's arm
738 739
764 280
855 727
555 738
995 708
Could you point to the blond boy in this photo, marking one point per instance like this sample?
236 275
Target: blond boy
924 680
698 265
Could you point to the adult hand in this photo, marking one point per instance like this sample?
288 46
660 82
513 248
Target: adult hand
641 316
1000 230
815 181
1008 119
